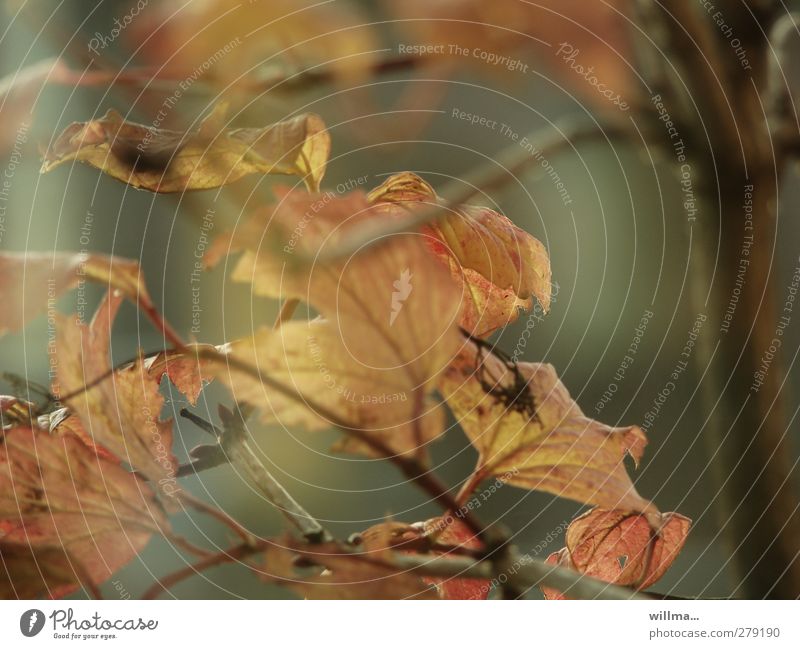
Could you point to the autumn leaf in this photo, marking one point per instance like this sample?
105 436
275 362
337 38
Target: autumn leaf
185 368
337 573
621 547
435 537
28 572
63 422
120 411
372 361
449 532
499 265
16 411
250 41
31 281
56 491
530 433
166 161
496 266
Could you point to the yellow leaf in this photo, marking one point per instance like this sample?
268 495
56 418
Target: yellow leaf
530 433
166 161
390 328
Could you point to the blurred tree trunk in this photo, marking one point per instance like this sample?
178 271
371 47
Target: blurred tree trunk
732 150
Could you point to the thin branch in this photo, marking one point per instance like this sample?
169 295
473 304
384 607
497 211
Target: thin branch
409 467
229 556
237 446
287 311
524 573
219 515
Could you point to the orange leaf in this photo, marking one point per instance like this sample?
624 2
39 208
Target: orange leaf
499 265
621 547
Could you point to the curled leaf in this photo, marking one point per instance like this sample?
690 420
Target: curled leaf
530 433
621 547
162 160
499 265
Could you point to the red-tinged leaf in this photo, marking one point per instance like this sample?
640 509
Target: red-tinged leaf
436 537
30 281
338 573
390 330
29 572
498 265
616 546
560 559
449 531
63 422
186 370
166 161
120 412
530 433
56 491
621 547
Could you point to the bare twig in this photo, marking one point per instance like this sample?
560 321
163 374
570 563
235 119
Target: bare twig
229 556
524 571
287 311
234 446
219 515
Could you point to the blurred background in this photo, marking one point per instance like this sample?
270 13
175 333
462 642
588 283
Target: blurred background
610 210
